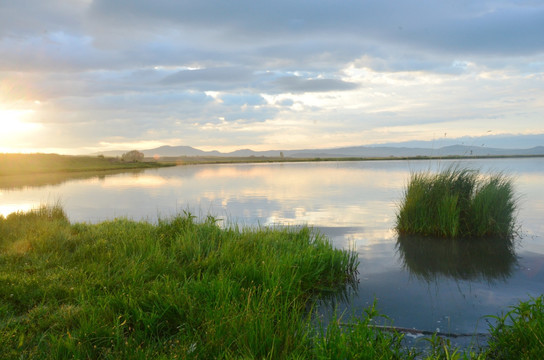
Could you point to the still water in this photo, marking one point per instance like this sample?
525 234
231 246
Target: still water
418 284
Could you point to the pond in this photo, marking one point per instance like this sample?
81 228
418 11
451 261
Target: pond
417 283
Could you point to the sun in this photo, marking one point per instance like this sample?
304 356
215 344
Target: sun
16 128
12 121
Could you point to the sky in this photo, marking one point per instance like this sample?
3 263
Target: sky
83 76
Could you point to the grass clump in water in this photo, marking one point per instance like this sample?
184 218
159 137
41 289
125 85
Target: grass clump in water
458 202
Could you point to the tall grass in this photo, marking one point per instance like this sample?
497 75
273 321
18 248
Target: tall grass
191 290
32 164
125 289
358 339
519 334
458 202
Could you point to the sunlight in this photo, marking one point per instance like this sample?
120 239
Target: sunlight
14 125
139 181
6 209
12 121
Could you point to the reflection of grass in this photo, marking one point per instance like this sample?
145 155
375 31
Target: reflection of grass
37 180
457 203
26 164
487 258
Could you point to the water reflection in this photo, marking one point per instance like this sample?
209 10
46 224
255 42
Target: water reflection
19 182
6 209
354 204
490 260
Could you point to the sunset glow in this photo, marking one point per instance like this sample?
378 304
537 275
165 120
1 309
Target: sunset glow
85 78
16 129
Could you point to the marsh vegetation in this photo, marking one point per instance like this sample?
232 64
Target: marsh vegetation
136 290
188 289
458 202
33 164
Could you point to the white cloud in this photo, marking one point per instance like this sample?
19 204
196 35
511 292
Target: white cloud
283 74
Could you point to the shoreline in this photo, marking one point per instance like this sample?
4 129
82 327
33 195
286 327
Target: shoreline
199 160
13 165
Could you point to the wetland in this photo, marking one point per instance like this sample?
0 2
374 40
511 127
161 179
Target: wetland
418 283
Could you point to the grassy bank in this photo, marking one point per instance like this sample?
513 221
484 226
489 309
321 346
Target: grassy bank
458 202
125 289
25 164
182 289
519 334
194 160
31 164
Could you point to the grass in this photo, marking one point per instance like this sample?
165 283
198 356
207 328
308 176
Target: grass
125 289
44 164
357 339
32 164
191 290
519 334
193 160
457 203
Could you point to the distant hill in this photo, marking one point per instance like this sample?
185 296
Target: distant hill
353 151
504 141
164 151
389 151
178 151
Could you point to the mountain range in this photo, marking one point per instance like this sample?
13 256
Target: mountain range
490 145
354 151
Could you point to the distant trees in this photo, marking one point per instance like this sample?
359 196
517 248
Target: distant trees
133 156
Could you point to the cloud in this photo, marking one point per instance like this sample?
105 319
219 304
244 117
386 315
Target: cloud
241 72
483 26
243 99
28 18
297 84
281 35
221 75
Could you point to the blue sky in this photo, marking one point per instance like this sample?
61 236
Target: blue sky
79 76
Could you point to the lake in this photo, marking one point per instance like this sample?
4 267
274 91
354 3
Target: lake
418 284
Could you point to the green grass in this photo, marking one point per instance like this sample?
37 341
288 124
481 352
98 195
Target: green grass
31 164
125 289
358 339
519 334
457 203
191 290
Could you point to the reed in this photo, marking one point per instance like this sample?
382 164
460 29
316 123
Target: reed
458 202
